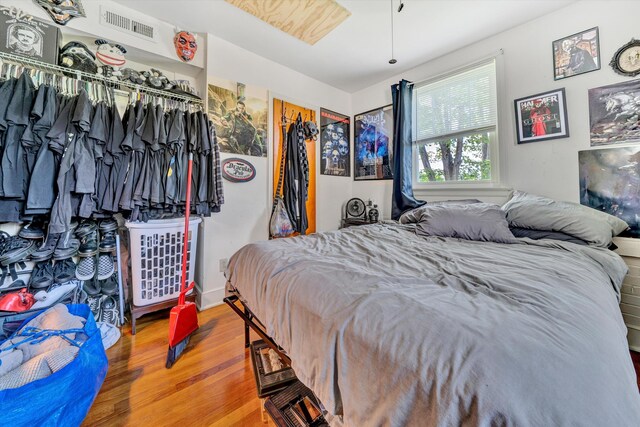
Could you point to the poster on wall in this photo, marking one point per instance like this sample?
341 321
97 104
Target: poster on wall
610 182
541 117
240 114
23 35
334 140
373 144
576 54
613 113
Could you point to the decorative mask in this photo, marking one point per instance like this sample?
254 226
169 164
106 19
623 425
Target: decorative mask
62 11
110 54
186 45
77 56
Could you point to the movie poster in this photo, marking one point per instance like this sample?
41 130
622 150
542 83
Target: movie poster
334 140
610 182
240 115
613 113
541 117
373 144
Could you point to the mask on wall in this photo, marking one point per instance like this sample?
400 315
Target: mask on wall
186 45
111 56
77 56
62 11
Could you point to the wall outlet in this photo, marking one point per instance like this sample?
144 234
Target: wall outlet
223 264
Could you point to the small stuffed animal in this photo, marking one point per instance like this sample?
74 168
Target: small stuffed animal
155 79
131 75
77 56
111 56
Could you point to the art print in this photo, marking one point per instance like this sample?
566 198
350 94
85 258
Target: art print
541 117
610 182
614 112
240 115
334 139
373 144
576 54
24 35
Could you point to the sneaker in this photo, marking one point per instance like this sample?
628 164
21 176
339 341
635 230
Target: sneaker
109 310
109 333
46 249
105 266
32 231
110 285
86 268
42 275
92 287
95 304
64 271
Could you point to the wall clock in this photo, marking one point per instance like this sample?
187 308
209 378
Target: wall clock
626 60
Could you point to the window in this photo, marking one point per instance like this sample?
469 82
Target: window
455 127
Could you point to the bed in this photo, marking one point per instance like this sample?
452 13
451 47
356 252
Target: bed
391 328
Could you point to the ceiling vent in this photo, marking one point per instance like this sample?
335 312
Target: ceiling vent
120 19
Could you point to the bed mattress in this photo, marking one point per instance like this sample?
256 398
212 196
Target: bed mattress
392 329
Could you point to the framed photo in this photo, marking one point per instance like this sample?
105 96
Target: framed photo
576 54
609 182
335 129
31 38
613 113
541 117
373 144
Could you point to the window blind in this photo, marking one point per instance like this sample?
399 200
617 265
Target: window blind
458 103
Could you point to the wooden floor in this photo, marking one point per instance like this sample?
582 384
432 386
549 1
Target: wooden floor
212 383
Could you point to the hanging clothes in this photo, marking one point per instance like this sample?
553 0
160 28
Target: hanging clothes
73 156
296 177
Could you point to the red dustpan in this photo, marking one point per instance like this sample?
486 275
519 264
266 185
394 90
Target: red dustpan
183 320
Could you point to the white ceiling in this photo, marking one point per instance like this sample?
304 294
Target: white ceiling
355 55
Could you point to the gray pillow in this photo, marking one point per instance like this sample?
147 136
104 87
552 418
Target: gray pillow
482 222
541 213
411 216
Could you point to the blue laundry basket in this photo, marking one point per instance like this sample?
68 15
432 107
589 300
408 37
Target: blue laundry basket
65 397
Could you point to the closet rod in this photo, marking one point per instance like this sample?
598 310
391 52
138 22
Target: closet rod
80 75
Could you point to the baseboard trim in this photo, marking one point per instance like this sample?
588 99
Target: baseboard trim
210 298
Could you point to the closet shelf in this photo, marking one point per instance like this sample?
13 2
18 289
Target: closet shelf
80 75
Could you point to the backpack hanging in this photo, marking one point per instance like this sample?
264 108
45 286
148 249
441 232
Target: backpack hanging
280 224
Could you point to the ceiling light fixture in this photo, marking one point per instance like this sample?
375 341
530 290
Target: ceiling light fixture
392 60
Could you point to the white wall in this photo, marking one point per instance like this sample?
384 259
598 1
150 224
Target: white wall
245 214
549 167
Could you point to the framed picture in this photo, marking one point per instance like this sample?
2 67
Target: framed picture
609 182
576 54
373 144
541 117
29 37
335 129
240 114
613 113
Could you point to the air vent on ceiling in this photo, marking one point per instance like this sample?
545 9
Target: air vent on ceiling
116 19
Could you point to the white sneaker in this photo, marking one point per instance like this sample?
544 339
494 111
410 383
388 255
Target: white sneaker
109 334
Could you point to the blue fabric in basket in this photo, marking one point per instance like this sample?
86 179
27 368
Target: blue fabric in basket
64 397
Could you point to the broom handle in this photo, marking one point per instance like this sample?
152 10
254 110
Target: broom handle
183 281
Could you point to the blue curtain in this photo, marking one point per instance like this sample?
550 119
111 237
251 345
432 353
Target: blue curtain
403 198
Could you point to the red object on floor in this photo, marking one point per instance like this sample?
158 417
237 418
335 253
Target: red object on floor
17 301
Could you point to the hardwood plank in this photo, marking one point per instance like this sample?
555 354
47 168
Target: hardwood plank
306 20
211 384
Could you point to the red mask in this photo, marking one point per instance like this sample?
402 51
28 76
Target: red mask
186 45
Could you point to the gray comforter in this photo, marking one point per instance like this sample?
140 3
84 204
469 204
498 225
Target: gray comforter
392 329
